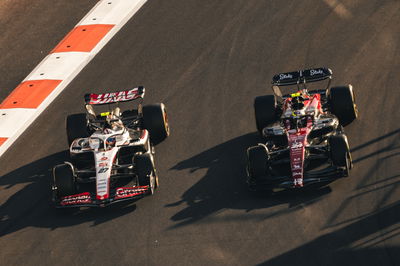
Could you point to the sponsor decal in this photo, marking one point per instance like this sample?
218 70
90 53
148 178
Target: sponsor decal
125 192
114 97
104 158
285 76
298 182
102 189
103 164
297 174
316 72
296 145
102 183
295 167
83 198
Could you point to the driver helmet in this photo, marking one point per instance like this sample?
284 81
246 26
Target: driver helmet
111 141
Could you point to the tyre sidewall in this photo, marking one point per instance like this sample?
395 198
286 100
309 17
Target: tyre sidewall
64 180
76 127
155 120
265 109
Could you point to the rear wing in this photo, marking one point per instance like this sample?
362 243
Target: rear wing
302 76
114 97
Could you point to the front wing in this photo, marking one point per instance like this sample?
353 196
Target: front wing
88 199
322 176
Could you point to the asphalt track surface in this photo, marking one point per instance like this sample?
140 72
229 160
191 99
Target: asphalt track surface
207 60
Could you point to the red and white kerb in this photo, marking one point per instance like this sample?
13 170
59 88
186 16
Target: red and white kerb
64 62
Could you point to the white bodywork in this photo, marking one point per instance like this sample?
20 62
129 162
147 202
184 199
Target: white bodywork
105 155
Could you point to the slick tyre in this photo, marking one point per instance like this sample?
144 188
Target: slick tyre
340 152
77 127
266 111
257 162
64 180
145 171
342 104
155 120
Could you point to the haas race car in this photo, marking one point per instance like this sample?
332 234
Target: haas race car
303 130
111 151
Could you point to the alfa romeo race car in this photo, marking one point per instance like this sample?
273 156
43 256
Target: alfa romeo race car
303 130
111 151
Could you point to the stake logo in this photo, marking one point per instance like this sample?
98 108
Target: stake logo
297 145
285 76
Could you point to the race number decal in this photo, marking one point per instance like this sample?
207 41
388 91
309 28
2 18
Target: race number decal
103 170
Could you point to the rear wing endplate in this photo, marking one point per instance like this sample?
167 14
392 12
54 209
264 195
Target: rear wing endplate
114 97
302 76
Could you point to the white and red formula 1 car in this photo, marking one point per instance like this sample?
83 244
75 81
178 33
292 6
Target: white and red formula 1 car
112 153
303 130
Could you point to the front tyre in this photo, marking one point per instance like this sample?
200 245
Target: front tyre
146 172
64 180
340 152
257 163
155 120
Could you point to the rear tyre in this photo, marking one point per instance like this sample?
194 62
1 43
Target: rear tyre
145 171
64 180
342 104
77 127
266 111
155 120
340 152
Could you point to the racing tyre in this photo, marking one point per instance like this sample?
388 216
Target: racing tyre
340 152
77 127
342 104
64 180
266 111
257 162
155 120
145 171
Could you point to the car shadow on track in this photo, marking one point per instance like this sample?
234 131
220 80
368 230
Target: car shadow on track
359 243
368 239
224 185
31 205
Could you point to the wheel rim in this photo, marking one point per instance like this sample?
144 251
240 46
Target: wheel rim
353 96
152 182
347 164
166 123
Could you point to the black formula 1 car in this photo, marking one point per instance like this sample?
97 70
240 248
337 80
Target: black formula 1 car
112 153
303 130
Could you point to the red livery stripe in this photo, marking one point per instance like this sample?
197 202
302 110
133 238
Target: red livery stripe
30 94
83 38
